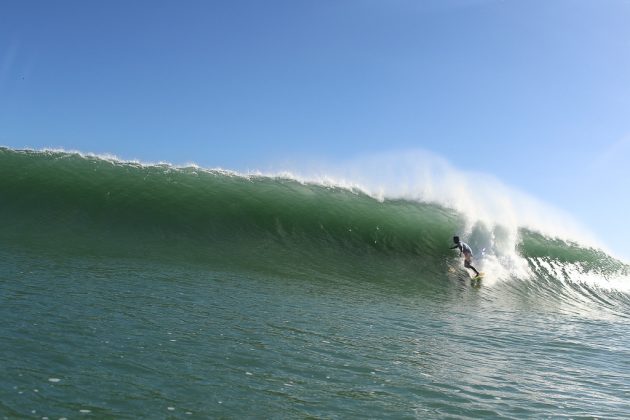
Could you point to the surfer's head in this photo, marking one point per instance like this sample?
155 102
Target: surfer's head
456 239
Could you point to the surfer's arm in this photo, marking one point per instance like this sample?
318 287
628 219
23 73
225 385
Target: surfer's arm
460 249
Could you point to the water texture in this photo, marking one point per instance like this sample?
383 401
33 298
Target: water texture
150 291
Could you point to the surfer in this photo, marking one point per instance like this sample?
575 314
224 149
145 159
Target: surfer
467 251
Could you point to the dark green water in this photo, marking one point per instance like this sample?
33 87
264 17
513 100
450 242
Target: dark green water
130 291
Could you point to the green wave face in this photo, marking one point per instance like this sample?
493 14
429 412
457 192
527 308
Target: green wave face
62 203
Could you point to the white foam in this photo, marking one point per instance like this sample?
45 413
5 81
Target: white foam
493 211
577 274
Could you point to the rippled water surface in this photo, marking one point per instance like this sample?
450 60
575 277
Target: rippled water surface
84 337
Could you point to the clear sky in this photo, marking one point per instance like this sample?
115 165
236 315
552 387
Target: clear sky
536 93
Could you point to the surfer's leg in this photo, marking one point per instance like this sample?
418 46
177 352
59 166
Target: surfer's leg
468 265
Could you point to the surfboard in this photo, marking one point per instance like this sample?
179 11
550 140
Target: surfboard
476 281
479 276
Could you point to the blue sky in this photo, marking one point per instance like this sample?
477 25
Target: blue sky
536 93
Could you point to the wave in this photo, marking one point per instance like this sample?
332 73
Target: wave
74 204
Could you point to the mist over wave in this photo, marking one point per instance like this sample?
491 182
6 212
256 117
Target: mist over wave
417 175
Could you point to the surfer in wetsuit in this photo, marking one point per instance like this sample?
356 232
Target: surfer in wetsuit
467 251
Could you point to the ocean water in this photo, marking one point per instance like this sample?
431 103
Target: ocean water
150 291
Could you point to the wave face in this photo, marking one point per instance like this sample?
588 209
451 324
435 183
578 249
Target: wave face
62 203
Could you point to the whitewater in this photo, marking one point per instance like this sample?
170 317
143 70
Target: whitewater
150 290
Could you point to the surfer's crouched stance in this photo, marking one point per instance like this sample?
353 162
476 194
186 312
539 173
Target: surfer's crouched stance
467 251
